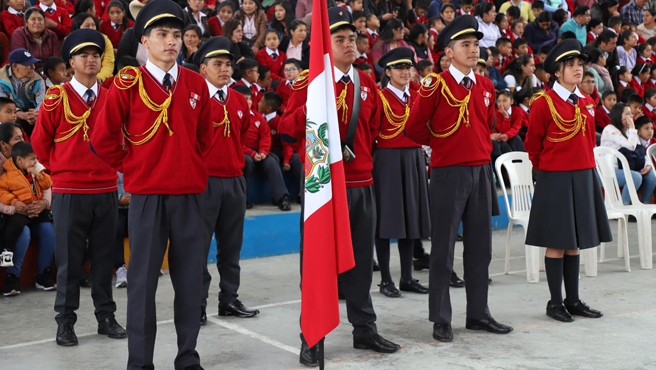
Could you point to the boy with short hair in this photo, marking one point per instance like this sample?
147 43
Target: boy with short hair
436 25
424 68
270 56
596 27
509 121
12 18
284 89
602 112
520 46
542 76
493 72
366 68
645 129
505 48
542 54
635 102
522 98
360 21
649 109
536 8
625 77
373 24
363 50
466 7
264 79
615 24
7 110
249 72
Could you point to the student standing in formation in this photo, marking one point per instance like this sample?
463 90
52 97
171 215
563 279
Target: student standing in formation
224 200
399 175
162 113
568 212
459 109
84 200
358 164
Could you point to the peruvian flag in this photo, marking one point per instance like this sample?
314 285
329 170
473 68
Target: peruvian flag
327 246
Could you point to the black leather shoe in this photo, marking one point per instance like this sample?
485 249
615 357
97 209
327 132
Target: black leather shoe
376 343
489 325
66 335
249 205
413 286
455 281
203 316
283 204
111 328
308 356
194 367
581 309
559 312
376 267
236 308
421 263
442 332
389 290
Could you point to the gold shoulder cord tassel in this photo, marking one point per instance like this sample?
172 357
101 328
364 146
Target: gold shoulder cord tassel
225 123
341 104
567 127
75 121
462 105
395 120
163 116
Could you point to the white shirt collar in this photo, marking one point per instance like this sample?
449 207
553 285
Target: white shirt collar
14 11
637 80
363 55
115 24
213 90
371 32
159 74
248 84
45 8
645 143
648 106
337 74
509 111
623 83
612 30
458 76
258 87
525 108
232 82
82 90
606 110
270 116
397 92
270 51
564 93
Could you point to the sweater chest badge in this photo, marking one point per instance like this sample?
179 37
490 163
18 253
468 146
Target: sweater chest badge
364 93
240 114
486 98
193 100
591 109
257 124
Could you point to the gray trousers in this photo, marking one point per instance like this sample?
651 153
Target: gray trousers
78 217
268 168
224 207
460 193
154 221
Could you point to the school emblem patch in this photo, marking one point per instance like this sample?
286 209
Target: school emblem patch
193 100
428 81
257 124
486 98
240 114
364 93
591 109
273 132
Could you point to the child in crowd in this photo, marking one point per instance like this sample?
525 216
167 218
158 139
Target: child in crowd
125 61
366 67
493 71
436 25
225 12
645 129
509 121
649 109
362 46
644 54
602 112
248 69
542 54
57 19
254 22
520 47
12 17
7 110
505 47
284 89
55 72
523 100
264 80
615 24
625 78
121 227
516 30
543 76
466 7
118 23
635 102
595 28
501 21
536 8
640 73
270 56
373 24
514 13
424 68
360 22
587 87
20 186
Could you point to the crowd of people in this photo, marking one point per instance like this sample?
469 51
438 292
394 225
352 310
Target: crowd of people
64 62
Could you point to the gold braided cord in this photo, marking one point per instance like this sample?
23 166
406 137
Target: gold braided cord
462 105
341 104
76 122
163 116
302 80
225 123
395 120
568 127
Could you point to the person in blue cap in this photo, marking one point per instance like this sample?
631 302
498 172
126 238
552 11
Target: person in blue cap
20 83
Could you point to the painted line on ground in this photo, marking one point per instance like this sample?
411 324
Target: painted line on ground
252 334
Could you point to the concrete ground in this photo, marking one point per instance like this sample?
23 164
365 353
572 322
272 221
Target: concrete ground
623 339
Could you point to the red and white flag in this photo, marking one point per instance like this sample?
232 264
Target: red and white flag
327 246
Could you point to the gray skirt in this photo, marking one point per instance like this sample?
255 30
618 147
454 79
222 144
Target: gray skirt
401 188
568 211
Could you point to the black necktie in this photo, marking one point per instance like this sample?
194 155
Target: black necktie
274 56
90 97
345 79
50 10
466 82
116 26
573 99
405 97
221 97
167 81
374 34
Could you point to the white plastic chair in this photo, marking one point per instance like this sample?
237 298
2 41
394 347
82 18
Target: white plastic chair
605 159
520 174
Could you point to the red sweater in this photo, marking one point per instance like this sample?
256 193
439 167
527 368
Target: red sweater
367 60
639 88
435 109
255 94
550 156
650 114
108 82
602 119
649 85
225 157
285 91
114 35
275 66
357 171
10 22
511 125
216 29
167 163
73 166
277 143
63 19
386 128
69 6
257 135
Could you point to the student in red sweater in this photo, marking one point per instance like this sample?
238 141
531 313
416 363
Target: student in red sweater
248 69
522 99
224 199
563 184
271 56
509 121
84 200
459 109
649 109
256 143
373 24
651 83
118 23
125 61
364 55
13 18
602 112
57 18
225 12
162 113
284 89
640 75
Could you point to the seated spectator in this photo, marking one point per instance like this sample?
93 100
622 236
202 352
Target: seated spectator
626 52
57 19
436 26
86 20
493 72
597 66
121 227
542 31
55 72
297 46
645 129
443 63
640 73
595 28
283 17
10 135
360 22
418 40
42 42
224 14
633 11
644 53
524 8
505 53
578 23
560 16
232 29
520 73
602 112
13 18
520 47
373 29
635 102
605 9
509 120
485 15
270 56
366 68
284 89
4 49
85 6
264 81
523 100
254 22
447 13
424 68
390 38
248 70
501 20
363 51
466 8
516 30
542 76
192 36
649 109
624 77
118 23
587 87
514 13
122 63
257 143
651 83
197 17
615 25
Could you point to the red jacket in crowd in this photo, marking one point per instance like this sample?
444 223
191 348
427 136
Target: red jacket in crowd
63 20
114 34
277 143
257 138
276 66
602 119
284 89
4 49
11 22
216 29
511 125
255 94
639 87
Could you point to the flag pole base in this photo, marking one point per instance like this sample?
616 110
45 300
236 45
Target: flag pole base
321 354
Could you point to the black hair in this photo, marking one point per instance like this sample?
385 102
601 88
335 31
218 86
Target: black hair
544 17
247 64
639 68
127 61
519 95
616 116
514 12
191 66
363 66
82 6
537 4
594 22
438 65
21 149
587 74
230 26
417 30
514 68
50 65
424 4
7 129
434 20
258 7
262 71
494 51
614 21
195 28
539 67
652 67
32 10
79 19
386 34
502 41
296 23
506 93
643 120
651 41
649 93
271 30
580 10
545 49
519 42
594 55
3 102
466 2
172 23
560 16
515 22
295 62
444 6
483 8
224 4
242 89
624 36
499 18
608 93
641 48
361 36
626 94
424 64
272 100
119 4
370 16
635 98
357 14
568 35
283 28
606 36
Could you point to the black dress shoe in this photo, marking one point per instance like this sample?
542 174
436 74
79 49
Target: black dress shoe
376 267
442 332
581 309
249 205
455 281
559 312
203 316
283 204
194 367
489 325
308 356
421 263
111 328
376 343
389 290
66 335
236 308
413 286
